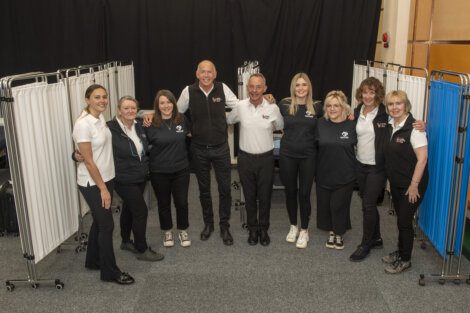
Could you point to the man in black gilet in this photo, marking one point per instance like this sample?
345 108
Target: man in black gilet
204 104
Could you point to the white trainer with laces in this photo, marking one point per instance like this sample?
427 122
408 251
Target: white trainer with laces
339 242
293 233
330 243
184 239
303 239
168 240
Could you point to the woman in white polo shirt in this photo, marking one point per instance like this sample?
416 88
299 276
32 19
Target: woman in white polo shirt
95 180
406 154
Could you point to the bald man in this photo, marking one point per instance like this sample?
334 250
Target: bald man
204 104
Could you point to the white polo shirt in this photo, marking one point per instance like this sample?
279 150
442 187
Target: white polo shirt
417 138
365 152
256 125
88 128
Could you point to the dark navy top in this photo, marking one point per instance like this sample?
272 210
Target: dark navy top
168 151
336 159
298 140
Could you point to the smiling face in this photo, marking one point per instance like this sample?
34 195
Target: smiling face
128 111
165 106
301 89
368 96
396 107
334 109
206 74
97 102
256 89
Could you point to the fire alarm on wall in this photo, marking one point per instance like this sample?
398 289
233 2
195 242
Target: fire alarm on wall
385 39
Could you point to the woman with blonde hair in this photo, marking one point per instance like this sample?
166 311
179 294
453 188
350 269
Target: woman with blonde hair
406 154
298 153
335 176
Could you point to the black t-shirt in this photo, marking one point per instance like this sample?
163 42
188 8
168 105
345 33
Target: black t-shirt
167 143
336 160
298 140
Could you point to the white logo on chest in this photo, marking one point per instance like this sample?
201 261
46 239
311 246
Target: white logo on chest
344 135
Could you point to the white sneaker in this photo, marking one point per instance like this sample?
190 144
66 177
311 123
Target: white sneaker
184 239
302 240
168 239
339 245
330 243
293 233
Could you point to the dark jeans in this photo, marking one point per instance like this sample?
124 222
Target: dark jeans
297 177
100 252
405 213
371 182
333 208
203 158
166 185
256 175
134 213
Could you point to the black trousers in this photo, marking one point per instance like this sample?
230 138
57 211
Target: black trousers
405 213
297 177
100 252
203 158
333 208
256 175
165 186
134 213
371 182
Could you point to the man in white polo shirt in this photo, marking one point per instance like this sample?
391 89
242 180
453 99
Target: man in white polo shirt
258 119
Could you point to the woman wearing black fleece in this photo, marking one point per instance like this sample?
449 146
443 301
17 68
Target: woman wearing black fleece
406 153
131 162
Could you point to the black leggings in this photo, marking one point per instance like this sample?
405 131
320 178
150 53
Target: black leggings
297 177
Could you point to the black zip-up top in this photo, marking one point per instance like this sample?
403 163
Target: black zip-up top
400 158
207 115
128 166
380 123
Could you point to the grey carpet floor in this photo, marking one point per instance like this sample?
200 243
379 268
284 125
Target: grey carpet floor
210 277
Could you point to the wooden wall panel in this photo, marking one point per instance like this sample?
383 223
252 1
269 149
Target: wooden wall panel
423 19
451 20
419 57
450 57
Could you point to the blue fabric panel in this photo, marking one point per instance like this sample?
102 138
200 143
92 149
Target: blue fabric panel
442 139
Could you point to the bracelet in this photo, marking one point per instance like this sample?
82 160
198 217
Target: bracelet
414 181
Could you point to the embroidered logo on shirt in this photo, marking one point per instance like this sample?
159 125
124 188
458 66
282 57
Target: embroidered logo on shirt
309 114
266 117
400 140
216 100
381 125
179 129
344 135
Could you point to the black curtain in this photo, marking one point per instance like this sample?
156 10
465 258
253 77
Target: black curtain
167 38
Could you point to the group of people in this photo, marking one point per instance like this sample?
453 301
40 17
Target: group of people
325 142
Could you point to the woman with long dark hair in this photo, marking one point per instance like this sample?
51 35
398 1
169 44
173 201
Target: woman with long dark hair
169 166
